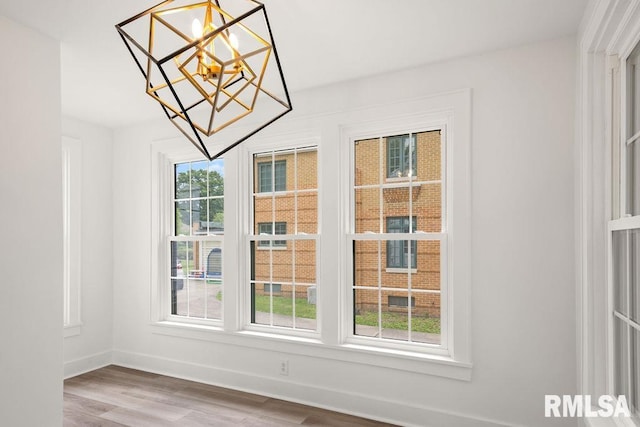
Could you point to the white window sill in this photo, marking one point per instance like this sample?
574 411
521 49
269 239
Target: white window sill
401 270
274 248
415 362
72 330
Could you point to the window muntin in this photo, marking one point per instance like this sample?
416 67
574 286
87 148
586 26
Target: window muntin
270 172
382 211
196 243
266 228
284 269
401 152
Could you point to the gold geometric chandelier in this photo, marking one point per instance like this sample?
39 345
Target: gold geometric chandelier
215 71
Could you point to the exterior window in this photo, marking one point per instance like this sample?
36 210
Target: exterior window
400 301
268 172
283 270
196 242
266 228
401 152
398 251
398 228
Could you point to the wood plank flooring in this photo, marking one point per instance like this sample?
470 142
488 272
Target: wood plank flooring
117 396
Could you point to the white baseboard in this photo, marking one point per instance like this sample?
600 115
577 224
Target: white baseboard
82 365
385 410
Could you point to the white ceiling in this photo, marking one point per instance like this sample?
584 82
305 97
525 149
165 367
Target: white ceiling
319 42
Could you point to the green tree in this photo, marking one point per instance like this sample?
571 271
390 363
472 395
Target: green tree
203 184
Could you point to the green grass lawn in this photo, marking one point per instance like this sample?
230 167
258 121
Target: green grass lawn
284 305
400 321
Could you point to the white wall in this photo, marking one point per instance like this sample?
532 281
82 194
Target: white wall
92 347
31 229
523 294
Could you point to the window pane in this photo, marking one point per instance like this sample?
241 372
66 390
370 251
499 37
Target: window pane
367 161
427 276
366 312
216 178
182 181
366 255
428 153
200 217
620 271
216 216
633 178
183 219
282 265
307 213
305 261
425 319
367 210
620 348
307 169
427 206
199 179
196 279
277 298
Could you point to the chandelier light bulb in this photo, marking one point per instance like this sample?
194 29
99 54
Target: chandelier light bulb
196 28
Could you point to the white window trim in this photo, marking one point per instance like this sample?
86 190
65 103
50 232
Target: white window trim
433 113
72 186
164 155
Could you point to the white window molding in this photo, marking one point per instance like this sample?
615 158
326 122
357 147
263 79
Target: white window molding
72 225
449 112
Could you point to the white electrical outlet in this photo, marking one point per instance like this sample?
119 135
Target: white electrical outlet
284 367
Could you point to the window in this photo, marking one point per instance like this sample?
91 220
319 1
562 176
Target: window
284 270
196 243
401 152
263 244
624 249
266 228
71 208
395 301
269 172
413 209
398 251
